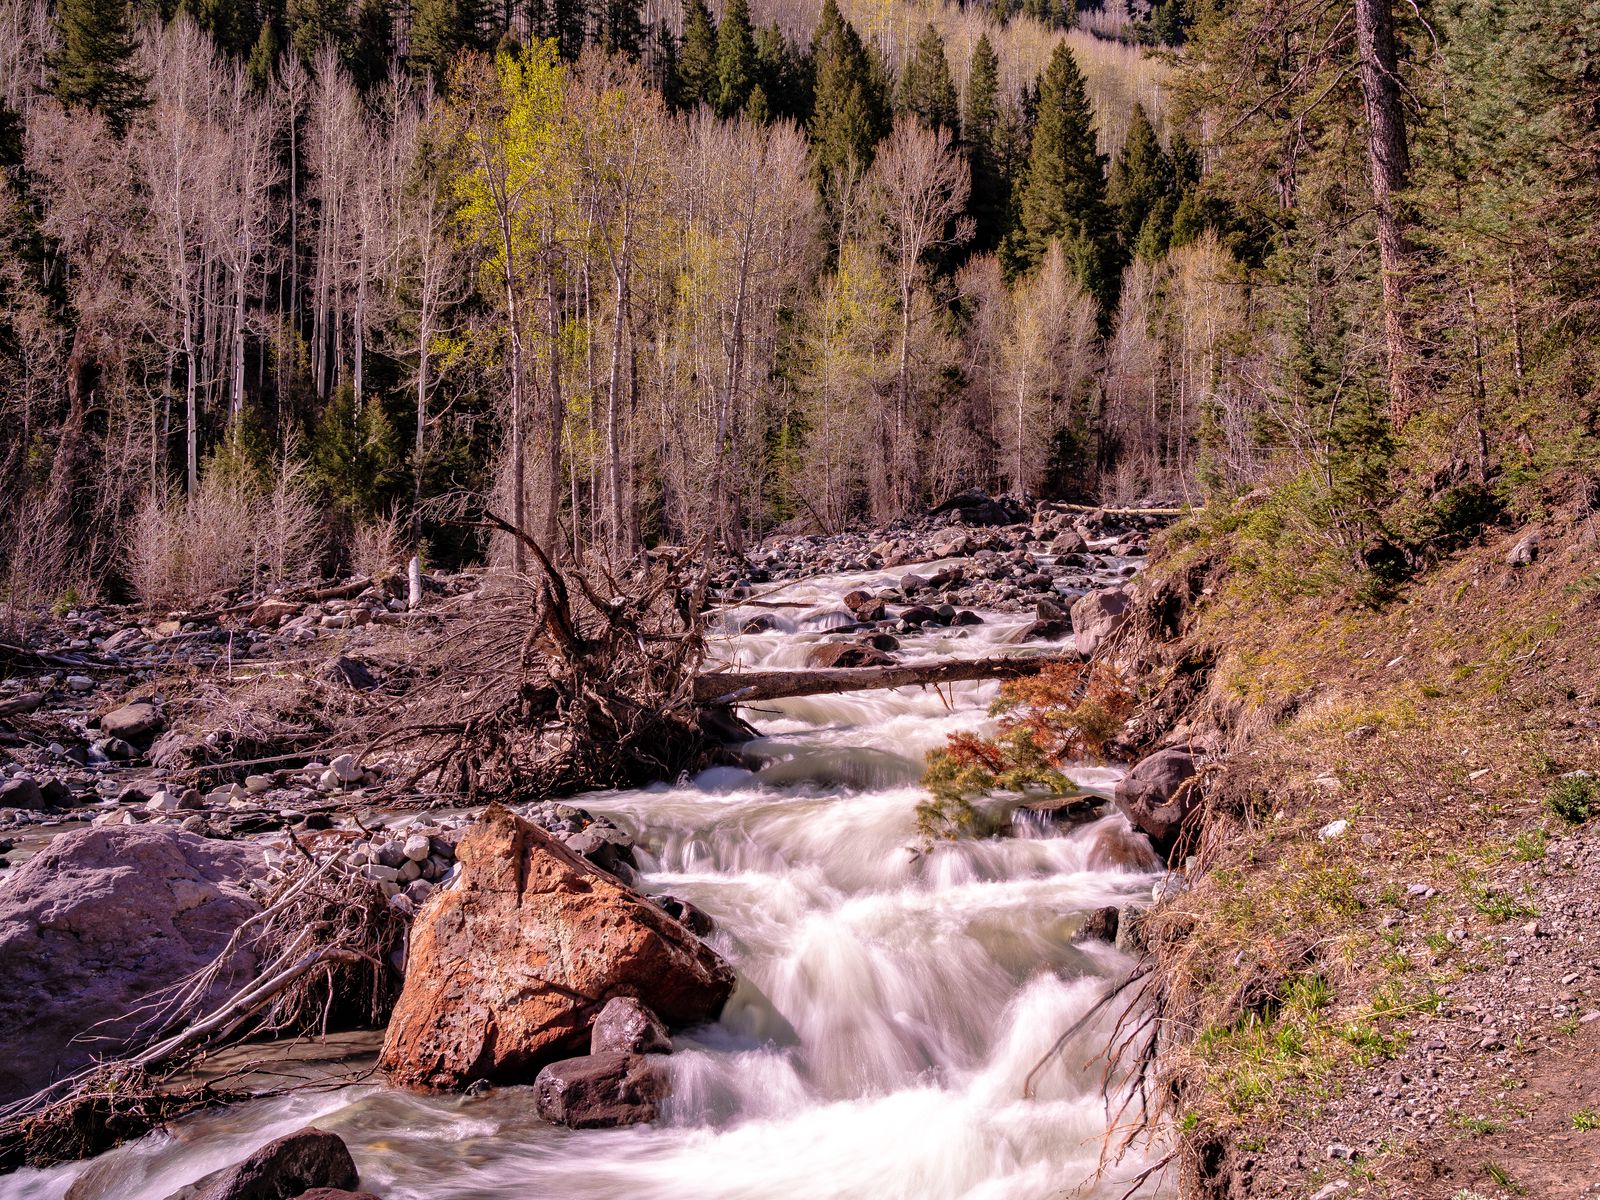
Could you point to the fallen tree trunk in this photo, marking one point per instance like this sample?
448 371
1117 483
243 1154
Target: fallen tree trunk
750 687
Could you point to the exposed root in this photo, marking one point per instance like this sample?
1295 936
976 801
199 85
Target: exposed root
563 681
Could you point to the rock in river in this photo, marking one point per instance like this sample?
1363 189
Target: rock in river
600 1091
1153 796
292 1165
97 921
1096 616
510 967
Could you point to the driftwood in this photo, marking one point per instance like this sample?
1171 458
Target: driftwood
718 688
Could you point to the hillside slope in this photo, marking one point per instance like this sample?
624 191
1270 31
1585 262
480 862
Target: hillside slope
1382 981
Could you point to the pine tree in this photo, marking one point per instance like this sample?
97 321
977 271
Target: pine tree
1063 193
372 48
314 24
264 56
983 93
93 68
784 78
736 59
850 110
1143 189
441 29
697 56
926 89
622 28
990 200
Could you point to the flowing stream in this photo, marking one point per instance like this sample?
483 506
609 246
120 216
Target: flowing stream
890 1007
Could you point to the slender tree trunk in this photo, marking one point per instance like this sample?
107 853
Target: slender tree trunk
1391 169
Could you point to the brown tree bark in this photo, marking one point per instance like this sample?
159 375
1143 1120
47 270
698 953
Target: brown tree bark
1391 170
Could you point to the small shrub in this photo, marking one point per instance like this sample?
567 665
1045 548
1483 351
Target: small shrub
233 532
1586 1120
375 546
1574 798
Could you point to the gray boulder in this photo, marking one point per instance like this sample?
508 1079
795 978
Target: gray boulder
133 722
95 922
1153 798
1097 615
293 1165
626 1026
21 792
600 1091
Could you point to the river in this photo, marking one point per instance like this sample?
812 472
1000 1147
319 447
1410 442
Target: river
890 1007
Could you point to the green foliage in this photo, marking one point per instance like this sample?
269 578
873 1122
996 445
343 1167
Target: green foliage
736 63
1063 194
926 89
1574 798
441 29
314 24
696 81
621 29
990 199
357 458
1143 189
93 66
783 78
1586 1120
850 110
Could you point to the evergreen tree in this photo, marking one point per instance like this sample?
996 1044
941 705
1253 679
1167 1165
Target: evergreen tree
372 49
264 56
230 24
314 24
983 93
622 28
1143 189
1063 192
736 59
850 110
441 29
989 202
697 57
926 89
783 74
664 65
93 67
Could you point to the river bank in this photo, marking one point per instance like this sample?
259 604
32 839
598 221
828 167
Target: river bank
1382 980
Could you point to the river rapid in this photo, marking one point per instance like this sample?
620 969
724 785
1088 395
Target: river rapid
890 1007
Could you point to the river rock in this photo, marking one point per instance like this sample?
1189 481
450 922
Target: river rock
600 1091
289 1166
96 922
21 792
1099 926
1117 846
1153 798
133 722
628 1027
847 654
1097 615
510 966
334 1194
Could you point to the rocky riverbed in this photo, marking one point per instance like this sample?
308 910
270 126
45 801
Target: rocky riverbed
721 856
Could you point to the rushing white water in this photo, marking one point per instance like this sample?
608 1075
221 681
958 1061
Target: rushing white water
890 1008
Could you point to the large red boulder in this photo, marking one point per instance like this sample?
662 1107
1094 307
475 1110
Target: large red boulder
510 966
